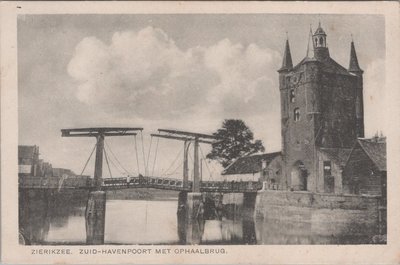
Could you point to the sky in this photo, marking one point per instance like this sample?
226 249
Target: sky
186 72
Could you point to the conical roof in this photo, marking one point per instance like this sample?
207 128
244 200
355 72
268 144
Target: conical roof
320 30
310 50
287 63
353 65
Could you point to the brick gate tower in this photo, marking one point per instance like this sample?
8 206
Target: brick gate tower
321 115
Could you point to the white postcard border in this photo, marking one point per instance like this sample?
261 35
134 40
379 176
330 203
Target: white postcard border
14 253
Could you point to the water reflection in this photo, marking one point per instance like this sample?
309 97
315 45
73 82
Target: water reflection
45 217
48 218
141 222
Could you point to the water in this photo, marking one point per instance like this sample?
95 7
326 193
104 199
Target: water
153 222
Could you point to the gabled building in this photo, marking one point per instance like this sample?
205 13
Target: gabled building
365 171
28 160
30 165
331 163
257 167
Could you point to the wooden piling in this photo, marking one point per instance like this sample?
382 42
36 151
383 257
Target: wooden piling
181 216
95 218
194 218
190 216
249 204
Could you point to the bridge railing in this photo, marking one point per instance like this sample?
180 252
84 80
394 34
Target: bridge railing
145 182
177 184
85 182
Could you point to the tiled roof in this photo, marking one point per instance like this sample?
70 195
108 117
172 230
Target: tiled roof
376 151
249 164
339 155
27 151
305 60
328 66
331 66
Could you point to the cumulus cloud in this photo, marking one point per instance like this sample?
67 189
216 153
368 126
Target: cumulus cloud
146 74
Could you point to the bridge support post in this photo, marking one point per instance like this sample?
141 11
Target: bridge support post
95 218
190 217
249 204
186 164
196 168
248 226
98 169
181 216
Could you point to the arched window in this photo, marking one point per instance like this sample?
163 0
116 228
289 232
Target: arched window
292 97
296 113
321 41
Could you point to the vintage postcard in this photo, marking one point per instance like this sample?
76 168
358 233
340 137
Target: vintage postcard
199 133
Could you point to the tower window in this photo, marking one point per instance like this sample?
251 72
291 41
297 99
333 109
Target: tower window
321 41
296 114
292 97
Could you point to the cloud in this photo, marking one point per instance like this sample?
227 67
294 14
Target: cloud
145 74
374 97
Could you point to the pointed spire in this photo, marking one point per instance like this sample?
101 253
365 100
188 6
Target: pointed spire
287 58
354 66
309 43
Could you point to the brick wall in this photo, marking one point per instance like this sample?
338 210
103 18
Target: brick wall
298 135
338 111
326 103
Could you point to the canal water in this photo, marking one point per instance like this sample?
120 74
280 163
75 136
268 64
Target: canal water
60 219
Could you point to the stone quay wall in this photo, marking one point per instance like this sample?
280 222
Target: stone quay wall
325 214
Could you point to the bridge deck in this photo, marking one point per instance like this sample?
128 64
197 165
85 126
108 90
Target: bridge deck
84 182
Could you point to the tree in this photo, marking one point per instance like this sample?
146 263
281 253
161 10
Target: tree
235 139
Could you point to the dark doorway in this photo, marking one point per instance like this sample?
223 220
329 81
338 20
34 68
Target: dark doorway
299 176
329 180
